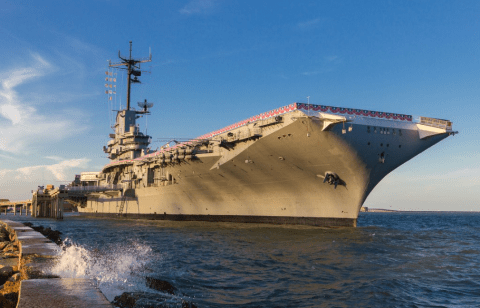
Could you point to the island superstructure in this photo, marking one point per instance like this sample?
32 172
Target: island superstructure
297 164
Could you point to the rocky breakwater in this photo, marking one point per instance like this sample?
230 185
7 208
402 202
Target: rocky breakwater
26 262
168 296
10 268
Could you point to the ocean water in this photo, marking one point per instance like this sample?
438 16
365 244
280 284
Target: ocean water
389 260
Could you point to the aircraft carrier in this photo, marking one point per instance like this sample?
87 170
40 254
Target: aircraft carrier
298 164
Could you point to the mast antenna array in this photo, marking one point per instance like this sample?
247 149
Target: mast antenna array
132 66
145 106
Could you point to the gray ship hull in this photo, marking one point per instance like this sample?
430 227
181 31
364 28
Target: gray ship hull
276 175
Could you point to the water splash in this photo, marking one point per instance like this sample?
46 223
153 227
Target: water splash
115 269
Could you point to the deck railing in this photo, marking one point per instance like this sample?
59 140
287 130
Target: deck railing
436 123
95 188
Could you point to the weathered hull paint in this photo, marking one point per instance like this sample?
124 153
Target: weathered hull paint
276 178
275 220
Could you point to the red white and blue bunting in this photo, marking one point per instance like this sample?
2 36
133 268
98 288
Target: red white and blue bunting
359 112
273 113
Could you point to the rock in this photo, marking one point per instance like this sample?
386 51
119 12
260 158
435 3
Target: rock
10 247
28 224
12 296
150 300
3 234
160 285
186 304
53 235
38 229
16 277
2 281
12 237
6 271
14 254
5 303
126 300
5 261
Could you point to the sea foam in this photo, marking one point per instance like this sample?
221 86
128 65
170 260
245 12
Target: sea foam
115 271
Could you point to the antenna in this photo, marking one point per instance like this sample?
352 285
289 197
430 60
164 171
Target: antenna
308 105
132 68
145 106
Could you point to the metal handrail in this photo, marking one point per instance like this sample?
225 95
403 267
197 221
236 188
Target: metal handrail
436 123
96 188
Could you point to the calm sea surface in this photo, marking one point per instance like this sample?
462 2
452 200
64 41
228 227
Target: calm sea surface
389 260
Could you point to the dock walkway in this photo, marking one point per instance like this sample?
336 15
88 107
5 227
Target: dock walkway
42 291
61 293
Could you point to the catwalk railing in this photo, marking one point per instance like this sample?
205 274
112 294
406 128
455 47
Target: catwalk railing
95 188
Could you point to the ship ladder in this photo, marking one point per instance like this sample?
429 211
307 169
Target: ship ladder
122 204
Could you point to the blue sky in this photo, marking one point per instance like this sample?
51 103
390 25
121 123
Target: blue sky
217 62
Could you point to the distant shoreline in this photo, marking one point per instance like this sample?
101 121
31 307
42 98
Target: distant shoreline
370 210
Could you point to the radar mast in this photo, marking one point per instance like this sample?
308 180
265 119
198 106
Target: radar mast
132 68
128 142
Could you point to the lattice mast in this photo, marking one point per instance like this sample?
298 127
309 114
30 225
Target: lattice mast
129 142
132 68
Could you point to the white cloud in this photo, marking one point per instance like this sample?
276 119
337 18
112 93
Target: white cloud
331 58
310 73
308 24
22 125
81 46
11 112
321 71
53 157
9 157
16 184
60 171
40 60
198 7
329 64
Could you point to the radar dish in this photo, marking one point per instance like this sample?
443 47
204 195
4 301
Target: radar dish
145 105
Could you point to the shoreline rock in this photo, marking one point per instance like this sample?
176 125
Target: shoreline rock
5 303
169 296
9 267
52 235
160 285
12 267
150 300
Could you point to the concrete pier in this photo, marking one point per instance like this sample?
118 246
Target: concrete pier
41 290
67 293
24 205
48 202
